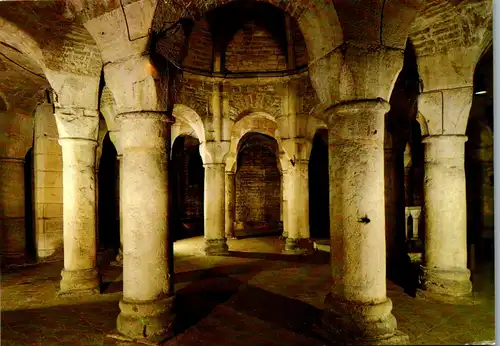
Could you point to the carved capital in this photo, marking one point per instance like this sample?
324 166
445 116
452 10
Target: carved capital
446 111
77 123
214 151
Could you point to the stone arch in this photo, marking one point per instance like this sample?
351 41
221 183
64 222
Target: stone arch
256 122
317 20
190 117
17 38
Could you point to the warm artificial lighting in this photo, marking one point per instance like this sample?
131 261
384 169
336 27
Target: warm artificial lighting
482 92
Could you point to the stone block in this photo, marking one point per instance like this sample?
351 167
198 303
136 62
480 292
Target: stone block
49 146
44 162
51 210
49 195
49 179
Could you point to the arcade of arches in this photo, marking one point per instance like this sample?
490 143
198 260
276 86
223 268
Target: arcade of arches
360 128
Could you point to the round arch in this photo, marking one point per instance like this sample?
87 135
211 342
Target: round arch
188 116
17 38
256 122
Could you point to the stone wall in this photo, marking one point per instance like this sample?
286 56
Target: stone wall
16 137
200 51
258 183
48 186
254 49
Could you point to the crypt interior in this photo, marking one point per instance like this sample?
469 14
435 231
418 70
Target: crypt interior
236 172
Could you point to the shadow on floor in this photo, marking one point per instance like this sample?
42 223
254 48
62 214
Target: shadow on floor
319 257
243 304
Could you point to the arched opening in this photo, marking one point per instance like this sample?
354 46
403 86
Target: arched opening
258 186
479 175
188 179
401 173
109 228
29 211
319 182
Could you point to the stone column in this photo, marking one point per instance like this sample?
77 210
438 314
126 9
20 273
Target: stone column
215 237
358 307
298 237
230 204
445 274
284 184
12 210
80 274
146 307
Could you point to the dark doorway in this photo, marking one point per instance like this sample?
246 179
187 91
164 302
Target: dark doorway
319 187
29 211
188 187
109 229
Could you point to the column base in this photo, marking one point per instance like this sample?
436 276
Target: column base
298 246
353 323
80 282
284 235
449 286
151 321
215 247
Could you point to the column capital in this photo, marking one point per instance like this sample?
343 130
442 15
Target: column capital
356 72
73 122
446 111
358 119
214 151
444 147
143 129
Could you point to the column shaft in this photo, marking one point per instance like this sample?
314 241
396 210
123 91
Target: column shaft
298 237
284 184
214 204
146 308
80 274
445 273
230 204
358 304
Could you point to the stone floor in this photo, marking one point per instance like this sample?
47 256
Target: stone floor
256 296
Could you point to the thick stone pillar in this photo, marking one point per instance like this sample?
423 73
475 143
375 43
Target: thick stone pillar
445 274
80 274
148 296
230 204
12 211
215 236
358 308
298 237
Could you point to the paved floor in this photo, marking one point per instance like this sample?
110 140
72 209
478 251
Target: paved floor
256 296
